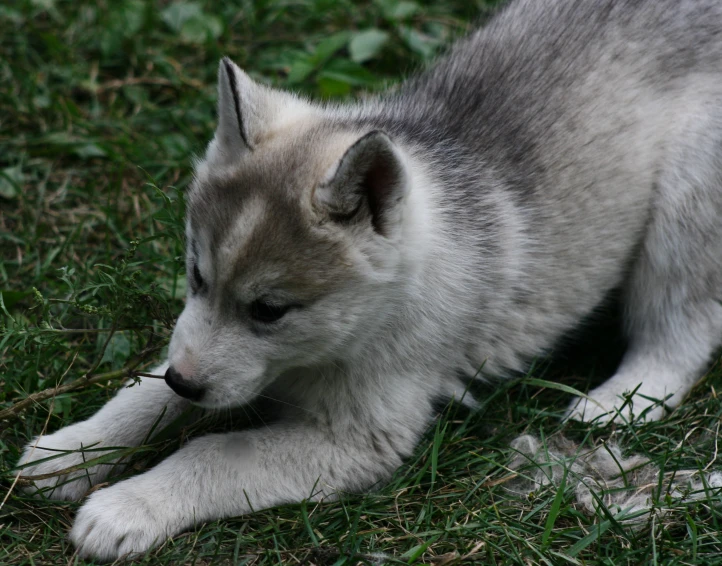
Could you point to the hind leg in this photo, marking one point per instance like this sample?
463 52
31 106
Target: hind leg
673 299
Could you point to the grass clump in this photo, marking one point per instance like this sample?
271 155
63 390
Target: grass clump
102 106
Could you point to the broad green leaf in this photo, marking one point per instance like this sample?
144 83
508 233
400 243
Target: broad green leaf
12 15
301 68
179 13
305 64
201 28
420 43
88 150
367 44
118 350
331 88
347 71
41 100
329 46
176 145
11 179
395 10
130 17
44 4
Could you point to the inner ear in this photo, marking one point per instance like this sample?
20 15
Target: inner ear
369 178
381 186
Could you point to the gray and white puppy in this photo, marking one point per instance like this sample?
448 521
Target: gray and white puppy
353 261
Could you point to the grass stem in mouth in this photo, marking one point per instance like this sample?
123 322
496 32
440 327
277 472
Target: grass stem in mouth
143 374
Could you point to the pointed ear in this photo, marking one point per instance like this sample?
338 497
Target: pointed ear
367 184
248 110
235 92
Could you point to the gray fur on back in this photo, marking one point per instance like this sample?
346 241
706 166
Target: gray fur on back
566 113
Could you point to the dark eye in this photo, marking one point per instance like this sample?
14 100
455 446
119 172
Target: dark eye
261 311
197 279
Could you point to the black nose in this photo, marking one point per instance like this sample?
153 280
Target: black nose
182 387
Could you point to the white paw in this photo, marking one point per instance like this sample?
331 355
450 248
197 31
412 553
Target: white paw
66 449
606 405
121 520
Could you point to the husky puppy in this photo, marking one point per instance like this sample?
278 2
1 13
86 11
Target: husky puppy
354 261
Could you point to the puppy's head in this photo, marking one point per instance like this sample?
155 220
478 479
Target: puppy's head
293 237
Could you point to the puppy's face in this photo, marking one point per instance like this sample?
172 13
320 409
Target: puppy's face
293 243
289 261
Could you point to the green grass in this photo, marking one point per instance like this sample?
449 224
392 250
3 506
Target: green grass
102 105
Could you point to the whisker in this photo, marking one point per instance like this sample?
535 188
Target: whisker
316 413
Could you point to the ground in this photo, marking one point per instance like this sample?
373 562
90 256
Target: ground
102 106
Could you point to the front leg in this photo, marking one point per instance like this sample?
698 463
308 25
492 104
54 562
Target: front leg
124 421
224 475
